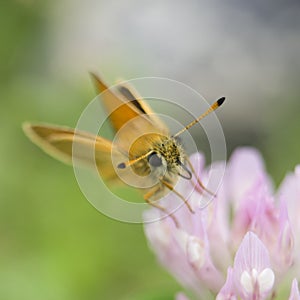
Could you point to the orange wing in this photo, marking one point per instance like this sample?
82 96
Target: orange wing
128 116
135 99
62 143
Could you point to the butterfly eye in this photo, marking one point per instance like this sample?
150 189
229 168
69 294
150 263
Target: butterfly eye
154 160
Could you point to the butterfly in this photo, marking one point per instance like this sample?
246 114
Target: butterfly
144 152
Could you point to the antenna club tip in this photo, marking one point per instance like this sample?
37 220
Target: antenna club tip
221 101
121 166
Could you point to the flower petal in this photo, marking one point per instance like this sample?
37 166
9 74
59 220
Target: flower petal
245 168
285 251
290 190
199 258
196 252
294 295
289 193
246 281
252 275
266 280
227 292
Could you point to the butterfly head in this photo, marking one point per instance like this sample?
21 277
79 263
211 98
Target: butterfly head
164 159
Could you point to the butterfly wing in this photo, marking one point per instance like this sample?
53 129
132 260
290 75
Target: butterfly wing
128 116
65 144
135 99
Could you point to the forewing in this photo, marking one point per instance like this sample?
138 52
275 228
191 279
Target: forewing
119 110
135 99
64 143
123 113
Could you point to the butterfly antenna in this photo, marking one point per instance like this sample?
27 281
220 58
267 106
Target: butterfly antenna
212 108
124 165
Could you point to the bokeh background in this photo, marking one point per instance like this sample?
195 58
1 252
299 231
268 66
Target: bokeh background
53 243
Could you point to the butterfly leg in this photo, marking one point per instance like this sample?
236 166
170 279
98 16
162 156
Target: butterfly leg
198 179
147 197
171 188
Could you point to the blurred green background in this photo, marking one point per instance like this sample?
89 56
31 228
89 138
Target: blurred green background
53 243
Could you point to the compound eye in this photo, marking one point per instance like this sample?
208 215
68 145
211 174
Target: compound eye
154 160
